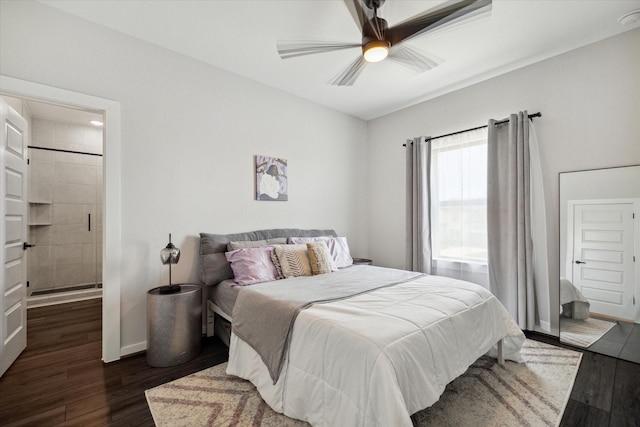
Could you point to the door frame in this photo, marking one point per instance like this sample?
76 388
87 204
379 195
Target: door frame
636 240
112 241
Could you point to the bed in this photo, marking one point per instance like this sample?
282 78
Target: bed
573 304
369 356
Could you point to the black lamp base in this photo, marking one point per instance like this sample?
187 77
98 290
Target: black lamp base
169 289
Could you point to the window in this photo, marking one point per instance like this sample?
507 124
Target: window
459 197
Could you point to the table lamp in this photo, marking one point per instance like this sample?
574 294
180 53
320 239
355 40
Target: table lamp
170 255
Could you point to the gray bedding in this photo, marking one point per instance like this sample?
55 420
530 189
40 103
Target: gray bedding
264 313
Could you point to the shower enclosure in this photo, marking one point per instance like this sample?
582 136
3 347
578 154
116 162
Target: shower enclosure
65 212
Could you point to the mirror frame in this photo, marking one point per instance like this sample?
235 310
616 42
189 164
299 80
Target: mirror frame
563 242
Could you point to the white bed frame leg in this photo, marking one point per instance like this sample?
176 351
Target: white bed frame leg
211 310
501 351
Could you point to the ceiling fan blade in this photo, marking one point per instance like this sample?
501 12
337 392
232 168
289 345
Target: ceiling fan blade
411 58
447 13
358 13
291 49
349 75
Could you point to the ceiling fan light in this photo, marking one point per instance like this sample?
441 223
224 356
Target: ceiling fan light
630 17
375 50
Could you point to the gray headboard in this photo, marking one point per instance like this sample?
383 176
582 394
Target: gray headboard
214 266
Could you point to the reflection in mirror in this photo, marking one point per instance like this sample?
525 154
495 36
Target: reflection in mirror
599 237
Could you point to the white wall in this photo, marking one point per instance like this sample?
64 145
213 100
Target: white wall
189 134
590 104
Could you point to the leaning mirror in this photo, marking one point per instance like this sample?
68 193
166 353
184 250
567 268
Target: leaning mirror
599 242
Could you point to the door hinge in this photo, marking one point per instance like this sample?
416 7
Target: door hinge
28 161
27 283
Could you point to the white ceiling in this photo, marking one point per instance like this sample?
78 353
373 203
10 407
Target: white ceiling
240 36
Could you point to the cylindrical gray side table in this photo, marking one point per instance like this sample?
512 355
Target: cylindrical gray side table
174 325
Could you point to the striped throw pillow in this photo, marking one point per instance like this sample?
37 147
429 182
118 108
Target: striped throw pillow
294 260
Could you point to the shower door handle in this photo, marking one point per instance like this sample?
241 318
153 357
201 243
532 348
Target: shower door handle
89 222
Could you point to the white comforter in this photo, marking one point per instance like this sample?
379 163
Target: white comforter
377 358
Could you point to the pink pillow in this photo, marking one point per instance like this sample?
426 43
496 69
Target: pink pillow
252 265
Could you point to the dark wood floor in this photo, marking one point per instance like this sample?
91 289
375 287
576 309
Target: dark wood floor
59 380
622 341
606 392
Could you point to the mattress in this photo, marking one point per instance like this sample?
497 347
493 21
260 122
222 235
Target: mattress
224 295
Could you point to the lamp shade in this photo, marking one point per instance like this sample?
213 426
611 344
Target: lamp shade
170 254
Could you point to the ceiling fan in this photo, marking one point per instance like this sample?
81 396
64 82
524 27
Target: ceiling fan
379 41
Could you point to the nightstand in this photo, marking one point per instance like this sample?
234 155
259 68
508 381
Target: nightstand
174 325
362 261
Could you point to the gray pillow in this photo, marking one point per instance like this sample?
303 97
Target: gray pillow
214 267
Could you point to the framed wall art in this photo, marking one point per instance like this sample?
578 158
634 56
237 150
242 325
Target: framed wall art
271 178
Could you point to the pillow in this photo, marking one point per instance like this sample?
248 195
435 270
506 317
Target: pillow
340 252
232 246
338 247
215 268
304 240
252 265
276 264
320 258
293 260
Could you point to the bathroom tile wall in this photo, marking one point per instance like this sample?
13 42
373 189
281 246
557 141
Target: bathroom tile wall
64 189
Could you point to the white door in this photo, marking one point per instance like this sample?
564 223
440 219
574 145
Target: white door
13 227
603 264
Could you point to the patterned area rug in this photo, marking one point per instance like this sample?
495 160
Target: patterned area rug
534 393
583 333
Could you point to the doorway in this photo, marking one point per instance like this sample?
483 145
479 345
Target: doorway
111 254
64 194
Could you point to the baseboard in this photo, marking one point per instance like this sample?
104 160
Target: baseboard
133 348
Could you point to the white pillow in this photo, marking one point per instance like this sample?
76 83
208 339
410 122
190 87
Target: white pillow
338 248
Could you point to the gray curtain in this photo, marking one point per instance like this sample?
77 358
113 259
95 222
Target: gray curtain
418 219
509 218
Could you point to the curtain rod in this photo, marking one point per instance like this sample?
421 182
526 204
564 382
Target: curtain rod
531 116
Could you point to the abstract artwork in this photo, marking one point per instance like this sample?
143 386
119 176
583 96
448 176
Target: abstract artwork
271 178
